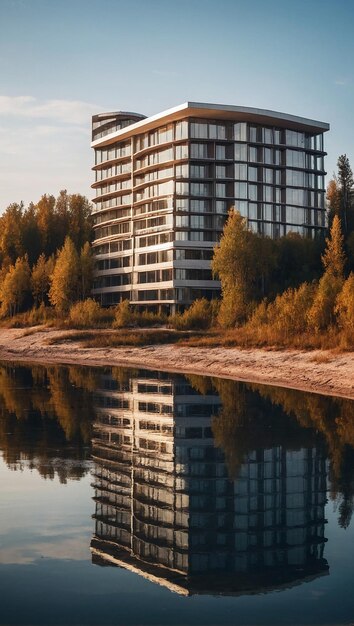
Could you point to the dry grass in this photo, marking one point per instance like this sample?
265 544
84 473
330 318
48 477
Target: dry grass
265 338
117 338
321 357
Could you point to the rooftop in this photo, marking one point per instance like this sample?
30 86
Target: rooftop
215 111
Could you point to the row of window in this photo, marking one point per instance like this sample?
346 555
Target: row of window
154 222
114 170
243 131
231 152
108 126
152 294
161 135
164 204
117 185
107 216
166 172
154 240
112 202
155 276
200 221
149 258
117 280
111 264
113 247
114 229
238 171
276 230
152 191
118 150
267 193
278 213
155 158
203 205
208 228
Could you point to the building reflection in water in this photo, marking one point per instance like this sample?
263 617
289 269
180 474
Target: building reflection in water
166 508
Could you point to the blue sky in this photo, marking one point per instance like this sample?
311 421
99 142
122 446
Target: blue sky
63 60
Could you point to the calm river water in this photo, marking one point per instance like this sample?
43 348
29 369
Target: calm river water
130 497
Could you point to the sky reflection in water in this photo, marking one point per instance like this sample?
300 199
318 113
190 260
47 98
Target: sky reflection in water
208 500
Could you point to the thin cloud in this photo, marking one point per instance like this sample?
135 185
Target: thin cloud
63 111
342 82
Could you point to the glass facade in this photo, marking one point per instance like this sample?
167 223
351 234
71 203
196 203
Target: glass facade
169 190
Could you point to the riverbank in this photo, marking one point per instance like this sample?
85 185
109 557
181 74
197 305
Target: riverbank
317 371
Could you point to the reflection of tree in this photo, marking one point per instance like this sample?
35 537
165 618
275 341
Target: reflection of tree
246 422
254 416
46 416
334 419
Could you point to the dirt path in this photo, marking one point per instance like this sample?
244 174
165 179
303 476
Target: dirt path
317 371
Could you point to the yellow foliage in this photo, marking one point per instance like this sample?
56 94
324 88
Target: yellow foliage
85 314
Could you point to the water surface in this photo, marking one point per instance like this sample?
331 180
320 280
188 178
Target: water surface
138 497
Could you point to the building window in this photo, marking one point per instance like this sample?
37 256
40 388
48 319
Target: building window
240 131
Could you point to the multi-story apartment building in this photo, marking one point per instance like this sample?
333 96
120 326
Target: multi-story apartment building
167 509
164 186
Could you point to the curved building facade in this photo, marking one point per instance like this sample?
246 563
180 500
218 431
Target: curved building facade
164 185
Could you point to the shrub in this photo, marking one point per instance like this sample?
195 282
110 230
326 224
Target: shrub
147 318
284 318
85 314
321 314
200 316
123 315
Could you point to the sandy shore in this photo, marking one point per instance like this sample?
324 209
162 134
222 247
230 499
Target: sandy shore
316 371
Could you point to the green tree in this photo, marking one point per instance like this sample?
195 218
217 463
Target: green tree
65 278
15 288
346 184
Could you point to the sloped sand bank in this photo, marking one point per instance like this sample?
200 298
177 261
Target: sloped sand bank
316 371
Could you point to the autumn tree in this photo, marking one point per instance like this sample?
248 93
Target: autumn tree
45 210
40 279
15 287
11 232
65 278
86 271
321 314
345 309
80 224
238 262
30 234
333 199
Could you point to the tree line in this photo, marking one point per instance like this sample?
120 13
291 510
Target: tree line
45 253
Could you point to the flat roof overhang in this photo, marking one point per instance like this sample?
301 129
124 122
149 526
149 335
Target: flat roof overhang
215 112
